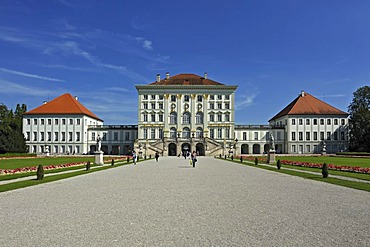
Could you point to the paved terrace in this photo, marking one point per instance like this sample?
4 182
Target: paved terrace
169 203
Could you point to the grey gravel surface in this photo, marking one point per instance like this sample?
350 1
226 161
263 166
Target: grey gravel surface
169 203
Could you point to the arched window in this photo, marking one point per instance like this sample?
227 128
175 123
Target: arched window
186 132
173 133
199 133
173 118
199 118
186 118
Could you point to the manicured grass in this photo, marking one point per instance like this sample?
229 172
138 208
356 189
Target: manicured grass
350 184
29 162
336 160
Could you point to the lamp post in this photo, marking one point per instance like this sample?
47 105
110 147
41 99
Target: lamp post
235 143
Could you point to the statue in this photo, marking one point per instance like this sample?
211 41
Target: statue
323 146
98 143
272 142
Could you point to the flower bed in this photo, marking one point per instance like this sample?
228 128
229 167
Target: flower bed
34 168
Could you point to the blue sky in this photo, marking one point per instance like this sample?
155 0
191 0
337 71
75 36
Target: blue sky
98 50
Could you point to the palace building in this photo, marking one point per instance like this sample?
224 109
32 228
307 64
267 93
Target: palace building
183 113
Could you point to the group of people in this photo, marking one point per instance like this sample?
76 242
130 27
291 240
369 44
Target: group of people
193 157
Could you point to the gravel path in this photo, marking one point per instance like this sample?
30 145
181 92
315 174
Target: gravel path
169 203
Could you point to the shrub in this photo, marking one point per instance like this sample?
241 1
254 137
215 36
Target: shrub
325 170
278 164
40 172
256 161
112 162
88 166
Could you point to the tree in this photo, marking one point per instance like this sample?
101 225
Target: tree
359 121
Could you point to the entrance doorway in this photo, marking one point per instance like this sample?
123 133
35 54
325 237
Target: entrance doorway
200 149
172 149
185 148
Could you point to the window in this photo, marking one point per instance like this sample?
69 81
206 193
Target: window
219 105
278 136
42 136
199 118
160 117
227 133
35 121
308 148
34 136
328 135
321 121
104 138
49 121
255 135
211 105
173 118
28 136
300 121
160 97
293 121
244 136
173 133
152 133
335 135
300 136
28 121
328 121
186 118
160 105
335 121
78 121
315 122
227 97
199 98
294 150
160 133
145 132
227 117
56 121
307 136
64 136
70 136
49 136
145 105
293 136
199 132
212 133
211 97
212 117
78 136
219 97
186 98
343 121
219 133
227 105
55 149
153 105
115 136
145 117
173 98
186 133
42 121
145 96
63 121
153 96
70 121
315 136
307 122
321 135
152 117
219 117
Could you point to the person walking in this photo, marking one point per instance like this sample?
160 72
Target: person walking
134 157
194 158
156 156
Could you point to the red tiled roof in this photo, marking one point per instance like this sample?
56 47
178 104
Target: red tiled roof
64 104
306 104
186 79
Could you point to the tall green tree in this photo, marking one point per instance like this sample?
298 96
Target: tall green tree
359 126
11 133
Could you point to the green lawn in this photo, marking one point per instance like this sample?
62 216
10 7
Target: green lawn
337 160
29 162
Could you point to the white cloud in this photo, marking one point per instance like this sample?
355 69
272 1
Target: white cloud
18 89
30 75
147 44
245 101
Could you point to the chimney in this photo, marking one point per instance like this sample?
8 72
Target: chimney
158 77
44 102
167 75
205 75
302 93
76 97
